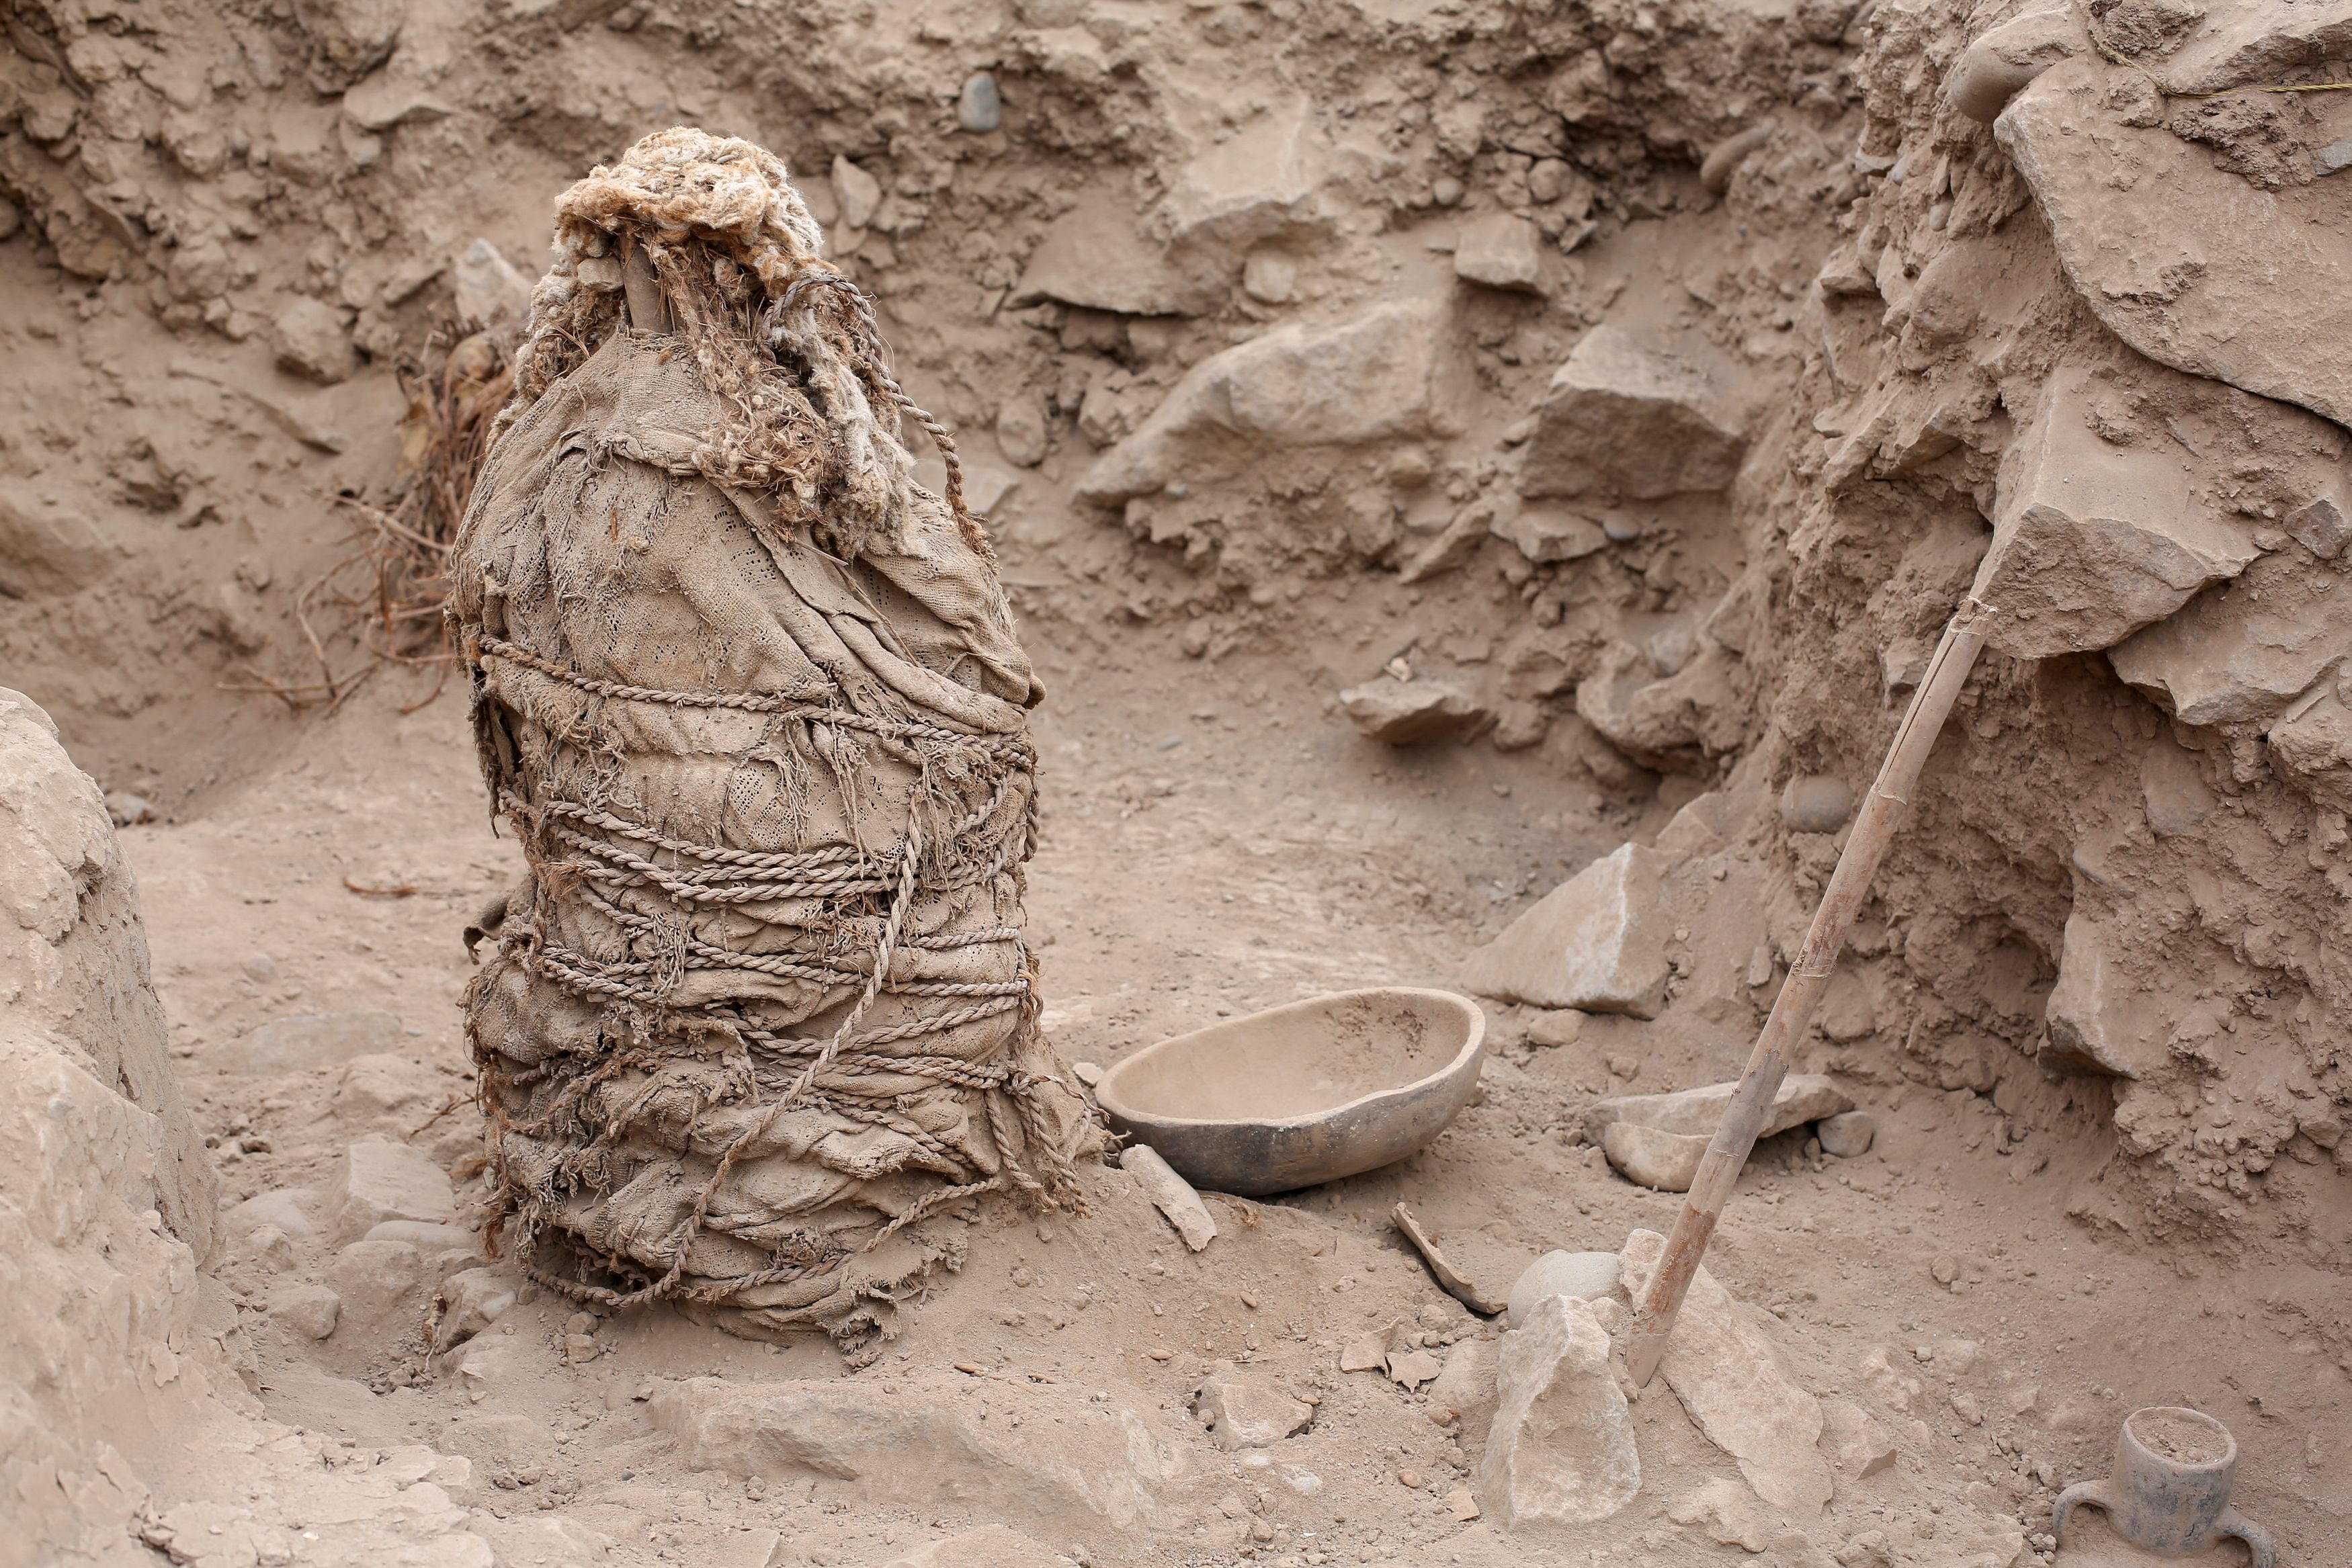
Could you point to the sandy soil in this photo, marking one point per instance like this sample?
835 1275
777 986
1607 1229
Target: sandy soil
1269 854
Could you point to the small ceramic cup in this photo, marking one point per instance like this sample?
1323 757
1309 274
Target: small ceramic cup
2177 1507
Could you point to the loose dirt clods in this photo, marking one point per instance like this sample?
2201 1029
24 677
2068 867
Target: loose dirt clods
1435 455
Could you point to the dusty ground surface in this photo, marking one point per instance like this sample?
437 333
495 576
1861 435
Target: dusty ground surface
2098 1009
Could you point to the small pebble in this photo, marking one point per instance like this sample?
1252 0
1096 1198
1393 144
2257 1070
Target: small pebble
1409 1479
1945 1269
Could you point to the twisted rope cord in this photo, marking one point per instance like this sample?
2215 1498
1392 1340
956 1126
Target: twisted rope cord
875 356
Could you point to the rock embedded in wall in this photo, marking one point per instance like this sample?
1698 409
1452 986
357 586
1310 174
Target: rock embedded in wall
2222 278
2241 653
2094 540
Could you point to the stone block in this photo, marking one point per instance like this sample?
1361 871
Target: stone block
311 1310
1500 250
380 1083
1623 418
1408 713
1730 1380
1858 1446
2246 42
2312 748
2092 540
374 1182
1663 1162
2319 526
310 339
1393 371
2101 1015
1729 1513
1465 1386
392 96
1232 187
381 1285
470 1301
281 1208
1596 943
1561 1449
46 549
1096 256
1547 532
2173 790
354 37
1671 718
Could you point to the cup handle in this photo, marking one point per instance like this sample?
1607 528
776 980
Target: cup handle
2092 1492
2260 1552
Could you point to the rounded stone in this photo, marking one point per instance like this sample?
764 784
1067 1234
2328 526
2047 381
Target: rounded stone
1587 1276
980 108
1815 803
1847 1134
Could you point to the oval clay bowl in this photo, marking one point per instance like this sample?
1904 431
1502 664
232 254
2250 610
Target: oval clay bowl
1303 1093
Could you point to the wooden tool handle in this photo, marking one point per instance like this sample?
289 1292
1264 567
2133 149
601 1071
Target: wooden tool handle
1792 1010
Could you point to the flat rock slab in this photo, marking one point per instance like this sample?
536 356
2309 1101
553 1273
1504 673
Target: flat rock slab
1803 1097
1074 1468
2246 42
1546 531
1596 943
1560 1450
1730 1378
2194 266
1408 713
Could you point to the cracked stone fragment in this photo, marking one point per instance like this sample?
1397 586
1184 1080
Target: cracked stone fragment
1560 1450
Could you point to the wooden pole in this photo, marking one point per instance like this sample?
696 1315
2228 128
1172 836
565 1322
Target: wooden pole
1792 1010
648 312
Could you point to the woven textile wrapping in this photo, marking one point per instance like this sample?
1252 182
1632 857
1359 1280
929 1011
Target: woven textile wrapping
752 700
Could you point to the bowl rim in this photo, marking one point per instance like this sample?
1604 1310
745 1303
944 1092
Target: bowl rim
1106 1094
